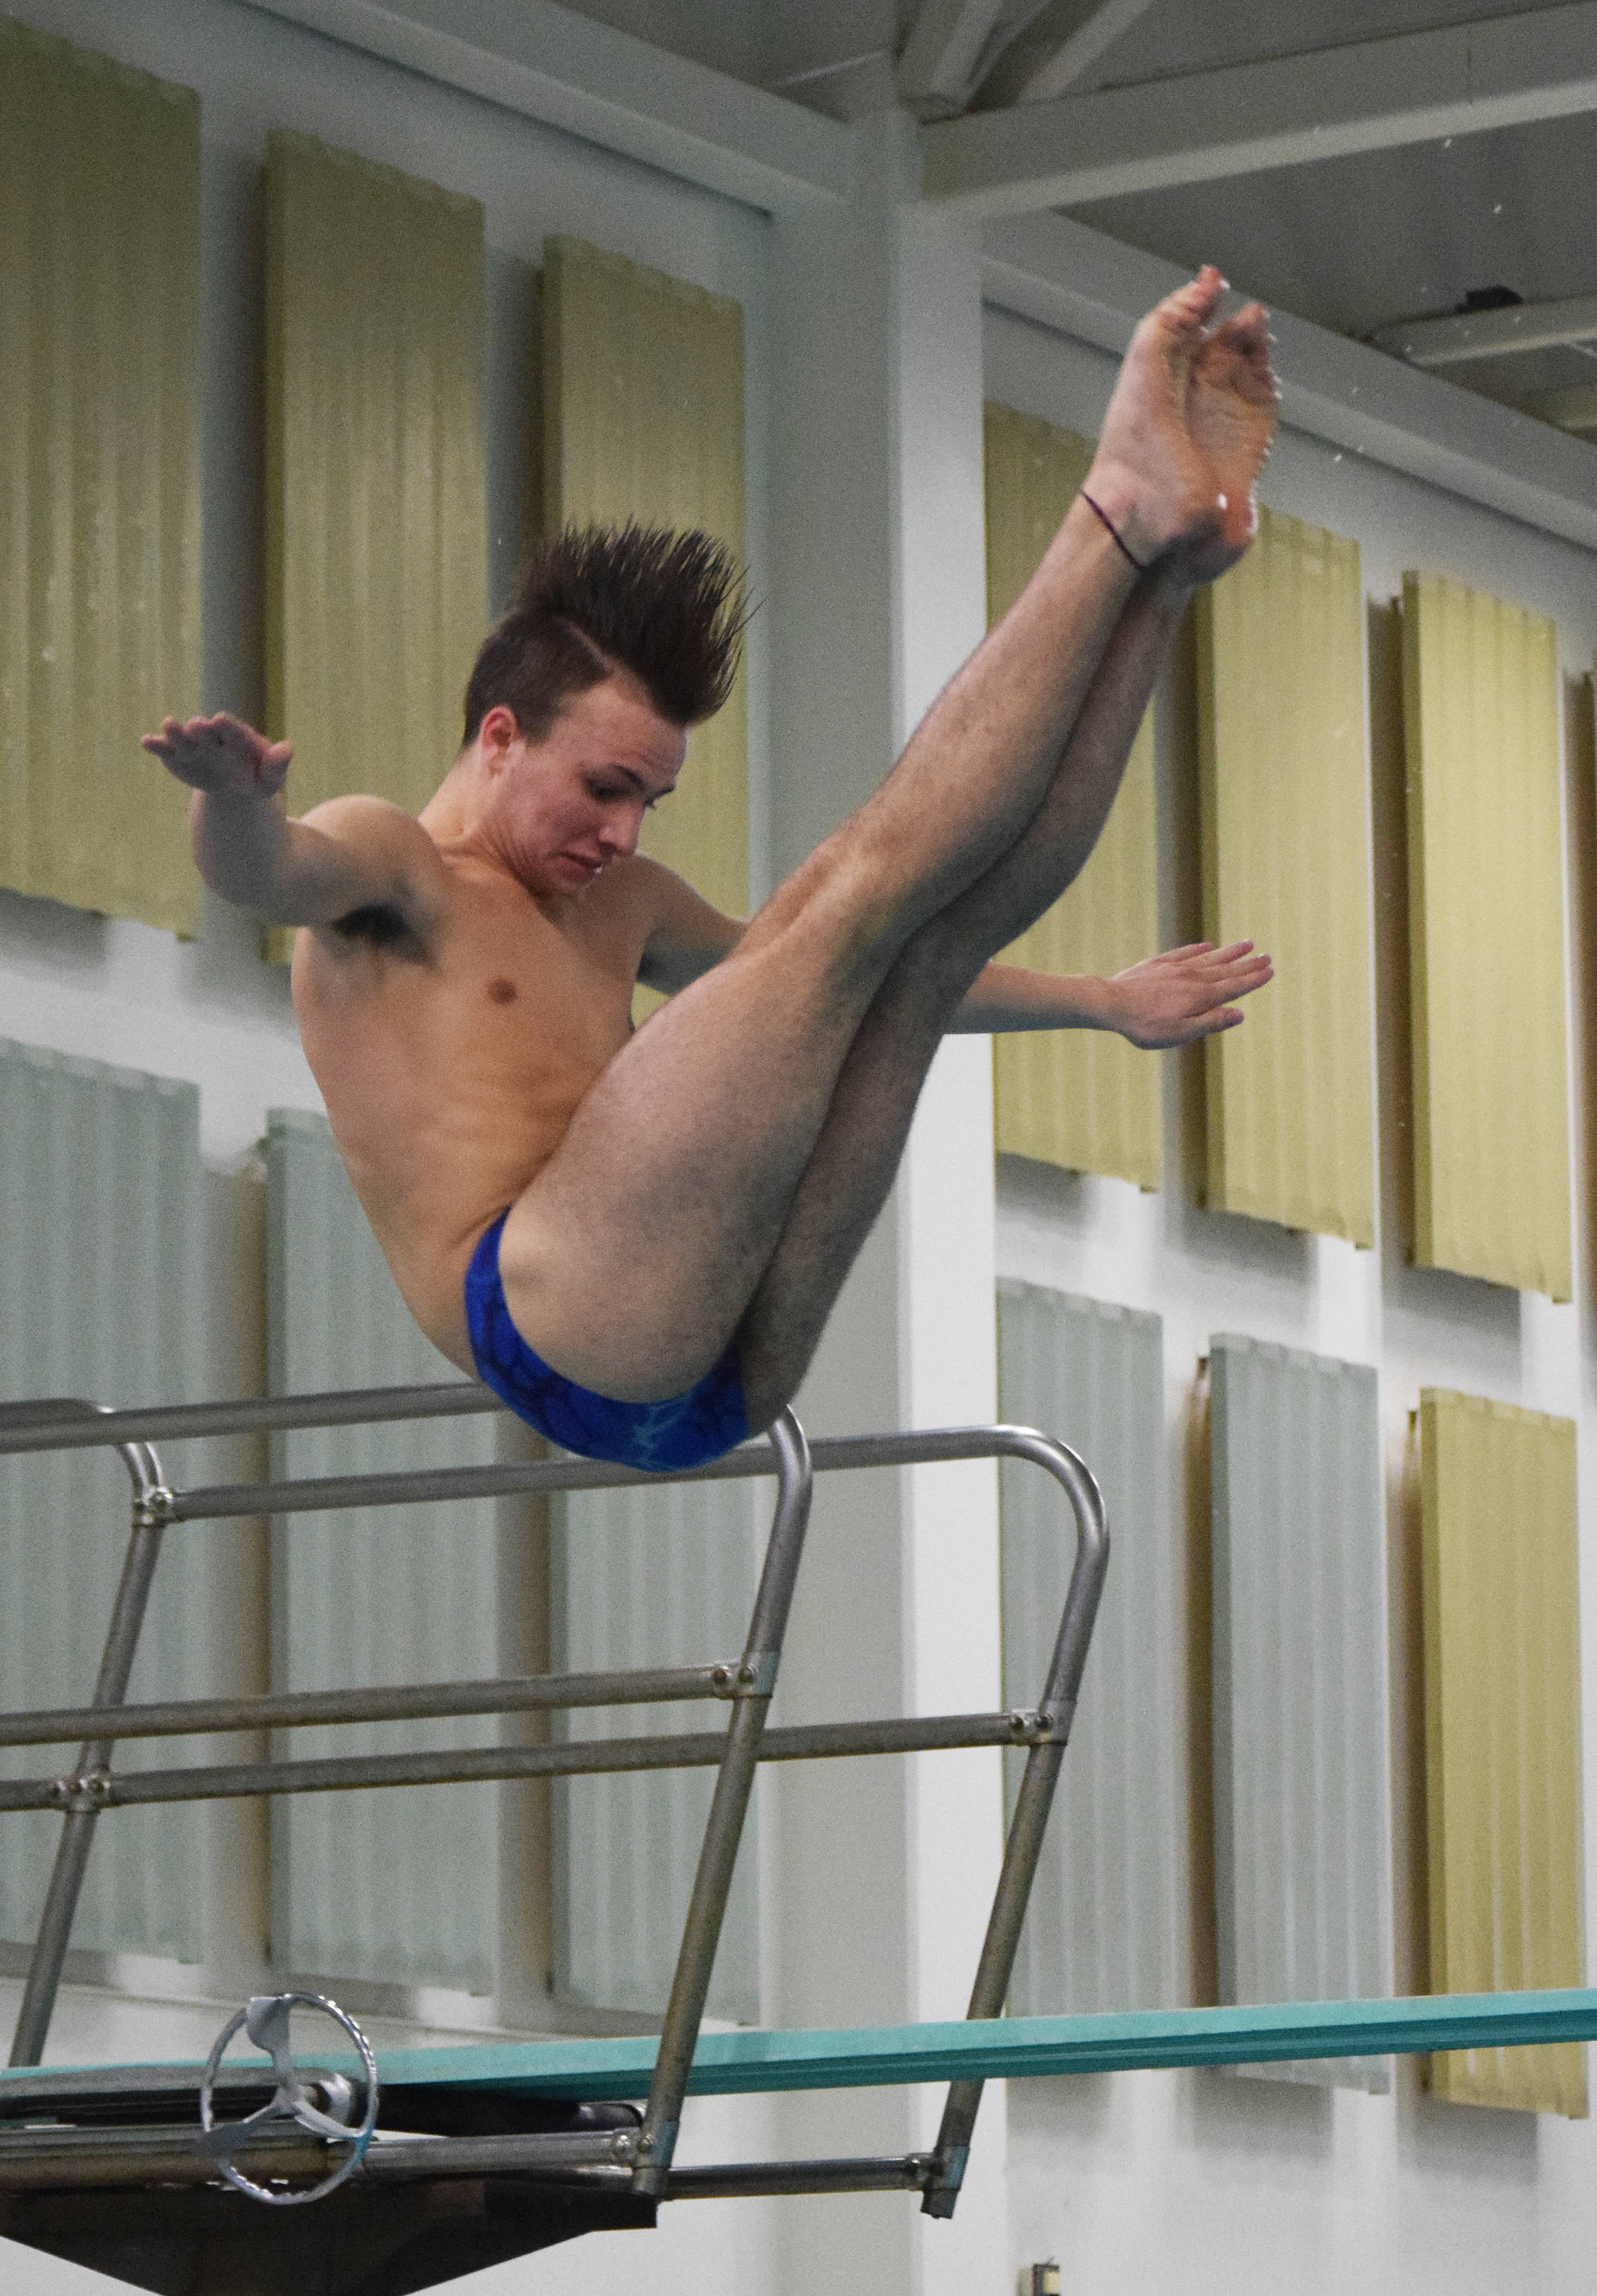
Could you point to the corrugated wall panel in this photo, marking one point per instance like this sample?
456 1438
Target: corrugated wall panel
376 518
1106 1929
1285 789
1502 1730
102 1211
650 1578
1490 1035
397 1884
1302 1771
99 475
1081 1098
644 418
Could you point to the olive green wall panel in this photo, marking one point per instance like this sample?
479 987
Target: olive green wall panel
376 524
643 411
1502 1730
1486 938
1080 1098
1285 811
99 475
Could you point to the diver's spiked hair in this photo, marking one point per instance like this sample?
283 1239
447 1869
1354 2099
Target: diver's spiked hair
668 607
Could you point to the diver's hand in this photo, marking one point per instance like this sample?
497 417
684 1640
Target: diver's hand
220 755
1182 994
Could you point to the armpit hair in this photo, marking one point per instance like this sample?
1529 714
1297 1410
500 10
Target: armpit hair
381 926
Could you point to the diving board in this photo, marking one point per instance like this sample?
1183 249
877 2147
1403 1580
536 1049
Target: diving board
999 2048
1017 2048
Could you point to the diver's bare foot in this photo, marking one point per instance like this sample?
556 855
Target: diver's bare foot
1234 404
1149 477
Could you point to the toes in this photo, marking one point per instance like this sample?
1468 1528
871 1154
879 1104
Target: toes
1190 308
1245 339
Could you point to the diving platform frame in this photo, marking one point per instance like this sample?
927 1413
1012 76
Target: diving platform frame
467 2155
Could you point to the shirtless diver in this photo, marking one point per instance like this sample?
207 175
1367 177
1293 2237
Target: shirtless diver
593 1220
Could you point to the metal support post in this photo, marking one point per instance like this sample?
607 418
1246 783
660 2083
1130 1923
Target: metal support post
110 1688
1032 1804
706 1908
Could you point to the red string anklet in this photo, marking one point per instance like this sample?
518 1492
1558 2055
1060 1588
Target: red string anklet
1104 520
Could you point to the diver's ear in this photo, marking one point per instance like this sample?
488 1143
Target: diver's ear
497 733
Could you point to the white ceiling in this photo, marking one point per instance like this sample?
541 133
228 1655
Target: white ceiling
1355 243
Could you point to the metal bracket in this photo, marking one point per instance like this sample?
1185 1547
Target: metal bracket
86 1790
942 2187
753 1677
155 1507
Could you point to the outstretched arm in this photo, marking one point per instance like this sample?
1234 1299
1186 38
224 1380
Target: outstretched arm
359 853
1166 1000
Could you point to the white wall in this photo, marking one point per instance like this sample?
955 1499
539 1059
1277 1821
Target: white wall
1191 2181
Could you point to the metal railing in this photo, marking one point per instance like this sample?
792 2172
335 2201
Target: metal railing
638 2160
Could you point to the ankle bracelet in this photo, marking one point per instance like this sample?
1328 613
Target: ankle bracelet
1103 518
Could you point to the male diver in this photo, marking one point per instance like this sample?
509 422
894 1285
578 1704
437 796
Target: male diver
635 1239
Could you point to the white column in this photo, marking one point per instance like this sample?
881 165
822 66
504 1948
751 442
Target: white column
947 1368
884 1870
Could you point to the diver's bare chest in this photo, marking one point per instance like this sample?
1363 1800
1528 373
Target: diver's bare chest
510 995
507 959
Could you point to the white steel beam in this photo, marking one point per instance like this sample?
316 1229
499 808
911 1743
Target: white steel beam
937 70
1080 50
1060 275
1566 410
1491 334
1281 112
625 95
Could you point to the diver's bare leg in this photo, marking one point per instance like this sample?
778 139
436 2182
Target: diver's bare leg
630 1259
856 1156
857 1153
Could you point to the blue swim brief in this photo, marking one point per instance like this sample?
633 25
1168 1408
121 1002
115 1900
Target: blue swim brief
683 1430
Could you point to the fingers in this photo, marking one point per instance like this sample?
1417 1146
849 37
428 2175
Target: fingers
1207 962
1218 985
1231 952
220 751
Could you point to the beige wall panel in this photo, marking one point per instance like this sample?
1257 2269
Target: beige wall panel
644 419
1079 1098
1502 1730
1486 938
375 492
1285 807
99 475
